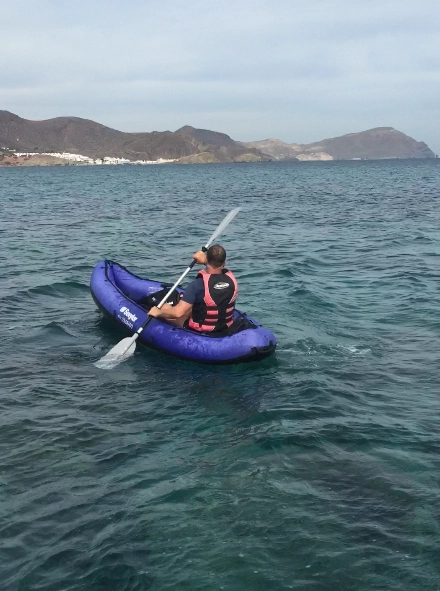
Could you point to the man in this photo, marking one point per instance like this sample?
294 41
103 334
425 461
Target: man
208 302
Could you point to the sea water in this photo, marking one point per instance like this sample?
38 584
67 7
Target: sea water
316 469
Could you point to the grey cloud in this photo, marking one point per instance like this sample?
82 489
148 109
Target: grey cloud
302 71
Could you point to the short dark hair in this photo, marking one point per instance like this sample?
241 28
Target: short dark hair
216 256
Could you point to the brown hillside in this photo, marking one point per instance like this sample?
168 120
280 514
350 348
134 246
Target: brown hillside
82 136
207 137
221 146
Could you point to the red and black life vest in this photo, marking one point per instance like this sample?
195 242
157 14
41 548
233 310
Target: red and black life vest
216 312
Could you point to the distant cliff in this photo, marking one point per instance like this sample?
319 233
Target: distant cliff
373 144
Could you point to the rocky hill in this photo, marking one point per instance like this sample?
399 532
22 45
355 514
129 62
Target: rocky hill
207 137
219 147
276 148
82 136
373 144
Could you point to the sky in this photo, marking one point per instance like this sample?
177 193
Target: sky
288 69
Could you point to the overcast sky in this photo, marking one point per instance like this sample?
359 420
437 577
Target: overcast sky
300 71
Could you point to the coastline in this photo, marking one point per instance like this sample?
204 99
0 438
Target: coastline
27 159
67 159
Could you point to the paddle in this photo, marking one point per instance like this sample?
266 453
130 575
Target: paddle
125 348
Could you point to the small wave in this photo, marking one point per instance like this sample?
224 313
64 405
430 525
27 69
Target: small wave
60 289
81 267
422 239
53 331
252 274
303 293
284 273
311 347
57 290
315 262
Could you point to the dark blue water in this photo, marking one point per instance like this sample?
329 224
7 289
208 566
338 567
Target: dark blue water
317 469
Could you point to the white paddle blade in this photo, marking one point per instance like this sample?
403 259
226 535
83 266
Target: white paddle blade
120 352
225 223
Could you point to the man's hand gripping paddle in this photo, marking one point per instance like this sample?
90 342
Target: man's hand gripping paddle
125 348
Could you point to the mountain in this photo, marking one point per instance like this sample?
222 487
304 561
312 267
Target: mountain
220 147
82 136
276 148
207 137
189 144
377 143
373 144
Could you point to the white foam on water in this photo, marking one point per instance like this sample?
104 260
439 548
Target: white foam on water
355 350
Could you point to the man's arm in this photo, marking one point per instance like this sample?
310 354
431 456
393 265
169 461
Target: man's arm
168 312
185 305
188 298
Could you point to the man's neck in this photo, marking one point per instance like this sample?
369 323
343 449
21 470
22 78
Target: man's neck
214 270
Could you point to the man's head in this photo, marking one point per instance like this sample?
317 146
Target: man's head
216 256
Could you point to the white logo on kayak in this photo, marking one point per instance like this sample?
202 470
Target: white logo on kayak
128 314
221 285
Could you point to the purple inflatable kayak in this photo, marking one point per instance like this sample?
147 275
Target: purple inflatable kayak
117 292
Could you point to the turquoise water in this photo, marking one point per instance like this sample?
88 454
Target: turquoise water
317 469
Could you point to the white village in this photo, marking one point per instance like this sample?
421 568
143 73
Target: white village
80 159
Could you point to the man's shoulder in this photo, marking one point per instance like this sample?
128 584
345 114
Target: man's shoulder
193 291
195 282
230 272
